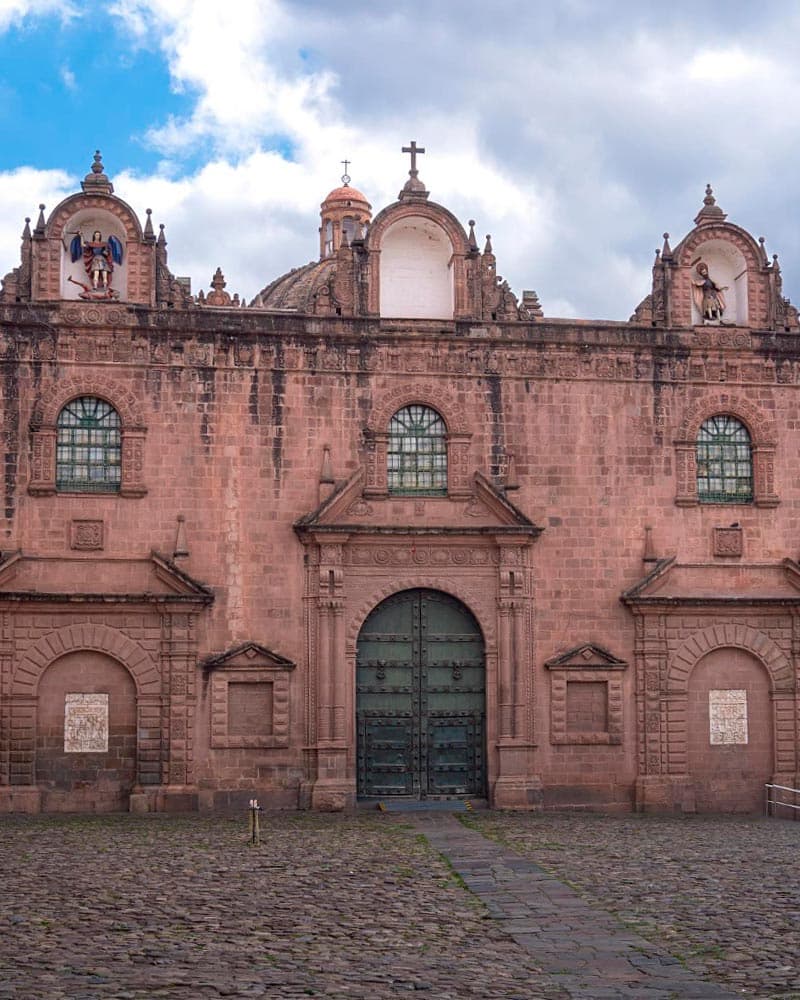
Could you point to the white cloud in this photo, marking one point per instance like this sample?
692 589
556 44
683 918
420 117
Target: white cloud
27 187
15 11
68 78
726 65
574 137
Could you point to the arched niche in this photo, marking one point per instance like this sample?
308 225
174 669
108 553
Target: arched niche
727 268
87 221
416 272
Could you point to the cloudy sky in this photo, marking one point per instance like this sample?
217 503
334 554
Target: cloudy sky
575 132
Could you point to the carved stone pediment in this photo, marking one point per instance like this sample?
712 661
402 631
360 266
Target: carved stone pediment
587 656
86 579
485 510
677 584
248 656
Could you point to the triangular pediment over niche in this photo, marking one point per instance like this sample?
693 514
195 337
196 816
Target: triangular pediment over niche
248 656
587 656
487 509
86 579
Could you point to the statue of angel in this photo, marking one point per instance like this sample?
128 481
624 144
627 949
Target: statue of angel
99 256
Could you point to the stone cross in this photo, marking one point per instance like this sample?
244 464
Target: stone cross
345 175
413 150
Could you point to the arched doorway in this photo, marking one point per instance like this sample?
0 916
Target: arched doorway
421 699
730 731
86 734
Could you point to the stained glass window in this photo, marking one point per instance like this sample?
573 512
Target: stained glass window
724 462
417 454
88 447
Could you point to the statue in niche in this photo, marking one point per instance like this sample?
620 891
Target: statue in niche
708 295
99 258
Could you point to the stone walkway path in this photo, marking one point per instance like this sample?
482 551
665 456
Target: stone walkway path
586 951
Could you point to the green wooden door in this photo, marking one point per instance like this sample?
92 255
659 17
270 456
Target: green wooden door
420 699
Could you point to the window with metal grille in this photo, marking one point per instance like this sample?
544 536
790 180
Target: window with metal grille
417 453
724 462
88 447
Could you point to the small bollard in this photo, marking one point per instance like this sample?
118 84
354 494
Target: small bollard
255 824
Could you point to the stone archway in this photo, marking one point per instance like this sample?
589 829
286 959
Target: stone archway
421 699
730 731
86 734
98 659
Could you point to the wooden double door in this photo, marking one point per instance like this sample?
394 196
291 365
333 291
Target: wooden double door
421 699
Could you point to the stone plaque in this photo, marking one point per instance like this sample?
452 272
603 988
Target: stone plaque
727 717
86 723
86 535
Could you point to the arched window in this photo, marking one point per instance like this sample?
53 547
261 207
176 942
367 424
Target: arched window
724 461
88 447
417 452
328 237
349 228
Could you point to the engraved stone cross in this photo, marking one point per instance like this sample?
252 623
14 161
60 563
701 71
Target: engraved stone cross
413 150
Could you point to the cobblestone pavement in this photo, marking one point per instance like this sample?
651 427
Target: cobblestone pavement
147 907
363 906
721 893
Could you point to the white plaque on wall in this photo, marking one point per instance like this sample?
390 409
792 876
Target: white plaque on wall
727 717
86 723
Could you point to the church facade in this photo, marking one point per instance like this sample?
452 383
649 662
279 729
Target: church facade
388 531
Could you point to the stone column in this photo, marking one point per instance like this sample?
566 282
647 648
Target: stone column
333 788
517 786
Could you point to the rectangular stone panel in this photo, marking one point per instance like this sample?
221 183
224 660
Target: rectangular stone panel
587 707
86 723
727 717
249 709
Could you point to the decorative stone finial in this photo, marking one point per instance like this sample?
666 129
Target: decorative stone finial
531 304
473 243
710 212
326 484
761 241
649 552
326 472
40 223
96 182
181 548
488 247
666 250
511 481
413 189
218 296
162 239
149 234
26 232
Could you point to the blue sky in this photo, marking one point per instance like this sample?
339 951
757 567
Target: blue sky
64 86
575 133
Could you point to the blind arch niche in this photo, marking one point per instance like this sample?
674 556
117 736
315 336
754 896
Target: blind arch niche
416 271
